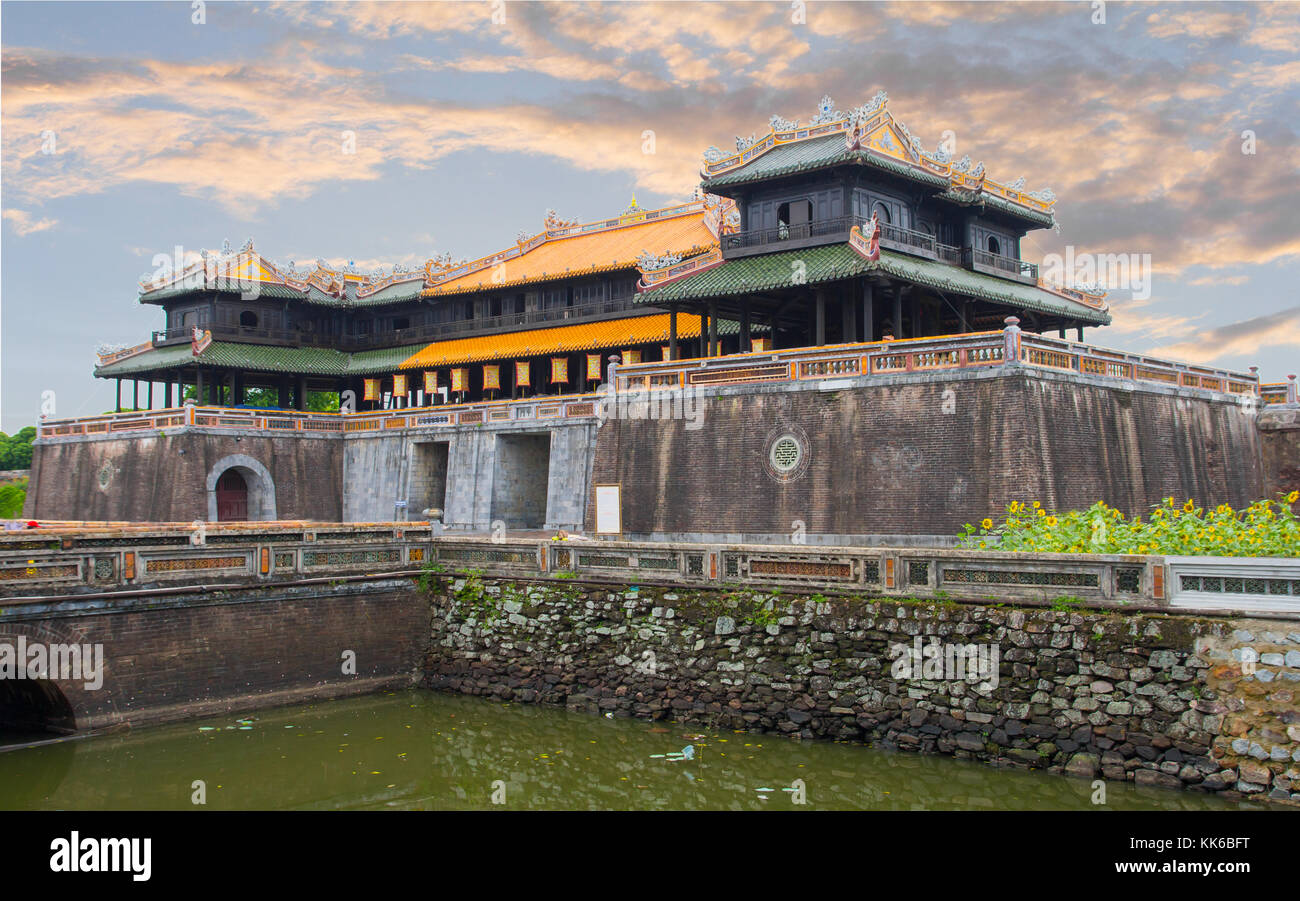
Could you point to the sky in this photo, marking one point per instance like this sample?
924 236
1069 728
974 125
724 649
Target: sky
383 133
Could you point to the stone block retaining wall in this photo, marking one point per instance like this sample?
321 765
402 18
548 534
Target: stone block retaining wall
1150 699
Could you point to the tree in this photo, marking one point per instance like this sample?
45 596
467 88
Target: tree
16 450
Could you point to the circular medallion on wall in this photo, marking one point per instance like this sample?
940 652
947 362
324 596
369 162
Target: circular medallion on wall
105 475
785 455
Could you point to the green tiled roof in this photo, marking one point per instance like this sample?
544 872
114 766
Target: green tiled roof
262 358
295 360
831 262
279 292
817 153
398 293
1000 203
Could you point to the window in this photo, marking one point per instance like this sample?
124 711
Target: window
401 322
882 212
994 247
189 319
248 319
796 212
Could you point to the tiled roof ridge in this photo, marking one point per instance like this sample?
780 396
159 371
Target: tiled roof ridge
246 271
870 131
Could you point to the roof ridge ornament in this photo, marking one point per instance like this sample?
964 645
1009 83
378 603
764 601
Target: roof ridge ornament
648 262
826 112
553 220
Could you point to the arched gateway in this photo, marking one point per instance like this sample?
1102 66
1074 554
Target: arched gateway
240 488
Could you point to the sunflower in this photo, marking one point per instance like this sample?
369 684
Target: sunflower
986 523
1188 507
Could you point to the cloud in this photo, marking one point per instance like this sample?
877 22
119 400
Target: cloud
23 224
1155 167
1280 329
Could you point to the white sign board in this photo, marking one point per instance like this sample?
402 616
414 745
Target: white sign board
609 510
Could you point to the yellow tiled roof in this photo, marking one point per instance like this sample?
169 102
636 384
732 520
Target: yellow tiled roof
627 332
601 251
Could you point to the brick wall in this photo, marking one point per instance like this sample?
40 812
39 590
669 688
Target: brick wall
925 455
193 656
163 478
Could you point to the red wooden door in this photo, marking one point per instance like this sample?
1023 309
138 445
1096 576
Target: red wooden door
232 497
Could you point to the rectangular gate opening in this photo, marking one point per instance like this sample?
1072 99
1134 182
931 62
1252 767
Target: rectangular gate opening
521 473
428 478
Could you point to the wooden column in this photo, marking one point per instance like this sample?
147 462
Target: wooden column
300 398
704 334
849 314
672 333
713 328
868 311
915 306
119 395
1080 334
745 345
151 394
965 316
898 313
135 394
819 315
284 392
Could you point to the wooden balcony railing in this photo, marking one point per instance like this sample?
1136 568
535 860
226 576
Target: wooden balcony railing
995 264
398 337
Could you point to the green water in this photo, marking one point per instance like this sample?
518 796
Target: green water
424 750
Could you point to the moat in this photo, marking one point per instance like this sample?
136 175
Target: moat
424 750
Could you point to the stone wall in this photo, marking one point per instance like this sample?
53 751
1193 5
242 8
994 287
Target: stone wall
1126 697
1279 429
535 473
179 657
164 478
924 453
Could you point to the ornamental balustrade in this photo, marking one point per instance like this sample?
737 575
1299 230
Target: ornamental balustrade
996 264
98 560
976 350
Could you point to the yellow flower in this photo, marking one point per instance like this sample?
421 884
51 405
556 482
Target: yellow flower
1037 504
986 523
1041 511
1293 497
1051 521
1188 507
